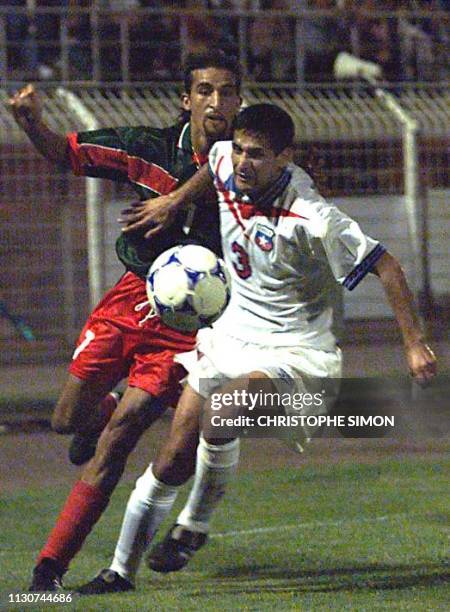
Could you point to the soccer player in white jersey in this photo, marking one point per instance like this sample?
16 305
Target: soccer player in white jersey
279 238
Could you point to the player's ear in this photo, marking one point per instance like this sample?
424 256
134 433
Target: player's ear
186 101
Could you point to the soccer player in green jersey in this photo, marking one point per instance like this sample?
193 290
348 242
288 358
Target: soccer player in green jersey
120 339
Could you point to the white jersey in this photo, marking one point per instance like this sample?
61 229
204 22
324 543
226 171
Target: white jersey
279 251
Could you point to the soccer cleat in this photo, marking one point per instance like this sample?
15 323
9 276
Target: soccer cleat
107 581
47 576
176 550
83 445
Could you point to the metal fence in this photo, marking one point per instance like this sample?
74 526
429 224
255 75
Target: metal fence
105 40
383 157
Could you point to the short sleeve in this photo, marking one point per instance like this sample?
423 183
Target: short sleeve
351 254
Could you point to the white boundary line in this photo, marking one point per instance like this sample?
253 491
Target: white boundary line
310 525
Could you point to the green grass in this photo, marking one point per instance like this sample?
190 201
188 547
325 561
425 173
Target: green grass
366 536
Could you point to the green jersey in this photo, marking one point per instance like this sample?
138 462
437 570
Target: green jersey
154 161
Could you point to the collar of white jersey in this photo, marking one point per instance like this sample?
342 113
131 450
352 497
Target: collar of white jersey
266 198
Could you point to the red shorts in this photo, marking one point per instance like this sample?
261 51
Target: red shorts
116 343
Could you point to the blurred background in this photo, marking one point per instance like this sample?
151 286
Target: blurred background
276 40
365 81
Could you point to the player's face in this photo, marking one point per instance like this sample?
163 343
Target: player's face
255 164
213 102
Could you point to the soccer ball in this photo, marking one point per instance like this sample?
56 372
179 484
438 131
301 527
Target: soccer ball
188 287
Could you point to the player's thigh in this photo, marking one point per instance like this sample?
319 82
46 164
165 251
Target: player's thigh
137 410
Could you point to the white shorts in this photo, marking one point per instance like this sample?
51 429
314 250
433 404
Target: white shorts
294 370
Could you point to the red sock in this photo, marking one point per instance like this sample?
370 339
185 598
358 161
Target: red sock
82 510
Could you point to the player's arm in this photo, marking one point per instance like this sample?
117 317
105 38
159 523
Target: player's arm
351 255
420 358
156 214
26 107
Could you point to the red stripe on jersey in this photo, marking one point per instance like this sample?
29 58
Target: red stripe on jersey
150 175
199 159
281 212
135 168
74 153
229 202
85 154
246 210
216 171
226 196
251 210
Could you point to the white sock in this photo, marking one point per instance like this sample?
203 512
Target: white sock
215 466
147 507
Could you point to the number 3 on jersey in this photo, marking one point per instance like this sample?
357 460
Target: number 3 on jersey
241 263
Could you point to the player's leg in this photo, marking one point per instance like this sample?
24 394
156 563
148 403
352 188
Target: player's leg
83 408
217 459
213 448
153 497
137 410
153 376
85 404
90 495
216 465
104 352
84 443
96 368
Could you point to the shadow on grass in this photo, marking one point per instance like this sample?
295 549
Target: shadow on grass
351 577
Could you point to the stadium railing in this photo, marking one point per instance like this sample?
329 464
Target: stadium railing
95 44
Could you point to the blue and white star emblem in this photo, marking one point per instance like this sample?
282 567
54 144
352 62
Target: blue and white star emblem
264 237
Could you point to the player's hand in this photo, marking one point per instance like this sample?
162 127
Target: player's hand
26 106
154 215
422 362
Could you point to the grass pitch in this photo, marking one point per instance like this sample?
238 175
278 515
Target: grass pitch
328 535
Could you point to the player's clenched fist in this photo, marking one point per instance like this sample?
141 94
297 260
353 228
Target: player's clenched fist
26 106
421 362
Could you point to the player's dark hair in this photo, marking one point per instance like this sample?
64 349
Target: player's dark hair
213 59
269 121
